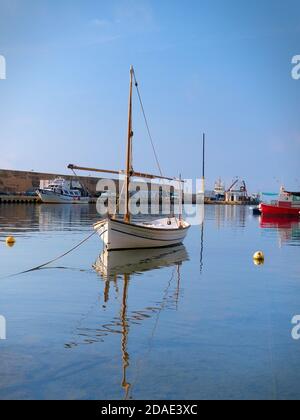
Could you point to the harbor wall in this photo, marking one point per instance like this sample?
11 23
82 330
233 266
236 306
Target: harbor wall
19 182
16 182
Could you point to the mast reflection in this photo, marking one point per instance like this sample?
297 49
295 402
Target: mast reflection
118 266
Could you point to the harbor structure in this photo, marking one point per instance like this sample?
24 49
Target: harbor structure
237 192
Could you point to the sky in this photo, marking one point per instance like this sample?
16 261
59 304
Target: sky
213 66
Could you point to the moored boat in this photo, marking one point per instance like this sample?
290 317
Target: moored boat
219 190
288 204
117 234
60 191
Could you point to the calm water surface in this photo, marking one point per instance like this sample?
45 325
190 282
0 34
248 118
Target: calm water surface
193 322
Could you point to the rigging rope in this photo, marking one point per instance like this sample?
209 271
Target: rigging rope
148 128
81 182
147 125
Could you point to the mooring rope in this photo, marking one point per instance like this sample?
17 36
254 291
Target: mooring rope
51 261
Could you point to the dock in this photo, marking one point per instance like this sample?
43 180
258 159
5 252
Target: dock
18 199
230 203
24 199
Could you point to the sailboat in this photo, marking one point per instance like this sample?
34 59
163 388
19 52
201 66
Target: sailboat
127 234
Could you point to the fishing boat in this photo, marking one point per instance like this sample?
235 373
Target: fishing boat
127 234
61 191
219 190
288 204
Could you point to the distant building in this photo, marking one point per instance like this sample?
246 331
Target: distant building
237 192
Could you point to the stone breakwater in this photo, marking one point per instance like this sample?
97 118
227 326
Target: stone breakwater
18 182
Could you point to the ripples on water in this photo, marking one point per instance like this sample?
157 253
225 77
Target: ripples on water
198 320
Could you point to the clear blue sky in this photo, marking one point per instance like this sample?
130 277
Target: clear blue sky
223 67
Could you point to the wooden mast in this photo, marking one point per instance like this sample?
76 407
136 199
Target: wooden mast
180 201
129 151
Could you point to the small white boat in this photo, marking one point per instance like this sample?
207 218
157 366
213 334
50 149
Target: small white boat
60 191
128 234
117 234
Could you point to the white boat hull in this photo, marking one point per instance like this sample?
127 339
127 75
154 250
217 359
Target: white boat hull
118 235
53 198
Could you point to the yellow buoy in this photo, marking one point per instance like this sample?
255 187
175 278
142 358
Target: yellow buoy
259 262
10 241
259 258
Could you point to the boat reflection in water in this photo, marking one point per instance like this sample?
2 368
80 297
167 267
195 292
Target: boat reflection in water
111 264
115 268
288 228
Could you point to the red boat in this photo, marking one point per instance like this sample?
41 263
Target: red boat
288 204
